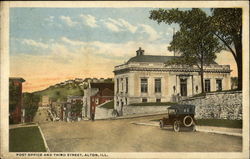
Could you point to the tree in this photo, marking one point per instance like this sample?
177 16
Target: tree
227 26
194 42
76 107
224 23
30 102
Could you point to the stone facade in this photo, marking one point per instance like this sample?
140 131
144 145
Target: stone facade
146 78
218 105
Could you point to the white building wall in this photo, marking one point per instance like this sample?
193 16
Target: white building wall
168 81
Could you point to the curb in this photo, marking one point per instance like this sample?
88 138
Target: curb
44 141
218 132
198 128
21 126
136 116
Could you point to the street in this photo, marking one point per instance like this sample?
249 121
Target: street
122 136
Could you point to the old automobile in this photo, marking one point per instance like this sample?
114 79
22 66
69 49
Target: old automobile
179 116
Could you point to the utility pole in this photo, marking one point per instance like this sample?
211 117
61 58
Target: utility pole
173 39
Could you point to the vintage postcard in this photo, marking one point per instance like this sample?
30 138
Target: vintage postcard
125 79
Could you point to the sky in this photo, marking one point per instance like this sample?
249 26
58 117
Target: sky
51 45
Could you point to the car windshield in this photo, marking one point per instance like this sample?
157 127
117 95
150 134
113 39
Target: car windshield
171 111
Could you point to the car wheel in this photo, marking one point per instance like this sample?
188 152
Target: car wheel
161 124
188 121
176 126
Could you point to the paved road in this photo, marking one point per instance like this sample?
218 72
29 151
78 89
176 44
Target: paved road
122 136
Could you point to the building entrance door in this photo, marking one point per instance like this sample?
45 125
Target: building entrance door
183 87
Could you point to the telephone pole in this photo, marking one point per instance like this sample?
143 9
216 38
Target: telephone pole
173 39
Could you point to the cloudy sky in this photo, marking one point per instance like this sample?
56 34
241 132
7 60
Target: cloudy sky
50 45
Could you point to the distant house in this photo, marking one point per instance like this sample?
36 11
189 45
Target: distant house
87 80
46 102
96 94
78 80
101 79
63 83
94 80
15 99
70 81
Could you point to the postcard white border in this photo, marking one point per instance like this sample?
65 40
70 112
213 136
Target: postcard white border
122 4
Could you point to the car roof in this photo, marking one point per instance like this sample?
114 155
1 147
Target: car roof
181 107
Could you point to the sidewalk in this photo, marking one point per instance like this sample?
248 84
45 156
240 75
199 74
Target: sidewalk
22 125
139 115
207 129
220 130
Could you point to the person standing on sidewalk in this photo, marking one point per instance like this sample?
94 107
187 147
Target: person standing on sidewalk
93 116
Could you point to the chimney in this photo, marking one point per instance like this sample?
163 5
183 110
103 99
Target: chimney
139 52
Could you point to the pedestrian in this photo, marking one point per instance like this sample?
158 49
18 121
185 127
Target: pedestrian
93 116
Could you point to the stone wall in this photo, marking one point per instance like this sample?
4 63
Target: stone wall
218 105
103 113
128 110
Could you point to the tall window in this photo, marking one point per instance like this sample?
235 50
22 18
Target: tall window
157 85
207 85
144 85
218 85
158 100
117 84
126 84
144 100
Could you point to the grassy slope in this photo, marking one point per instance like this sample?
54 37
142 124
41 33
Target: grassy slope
220 123
26 139
109 105
61 92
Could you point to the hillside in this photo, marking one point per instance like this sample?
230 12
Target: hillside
71 87
61 92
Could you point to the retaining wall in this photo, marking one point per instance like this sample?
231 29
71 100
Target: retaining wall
217 105
128 110
103 113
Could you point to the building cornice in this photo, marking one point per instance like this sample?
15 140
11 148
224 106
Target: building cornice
126 70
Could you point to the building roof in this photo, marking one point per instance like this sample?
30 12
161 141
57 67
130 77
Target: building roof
153 58
150 58
105 92
102 86
17 79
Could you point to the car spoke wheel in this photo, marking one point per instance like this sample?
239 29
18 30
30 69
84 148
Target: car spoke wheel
176 126
188 121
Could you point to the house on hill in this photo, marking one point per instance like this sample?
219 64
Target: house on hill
147 78
46 101
96 94
16 111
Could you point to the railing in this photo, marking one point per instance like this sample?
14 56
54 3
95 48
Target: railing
211 67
